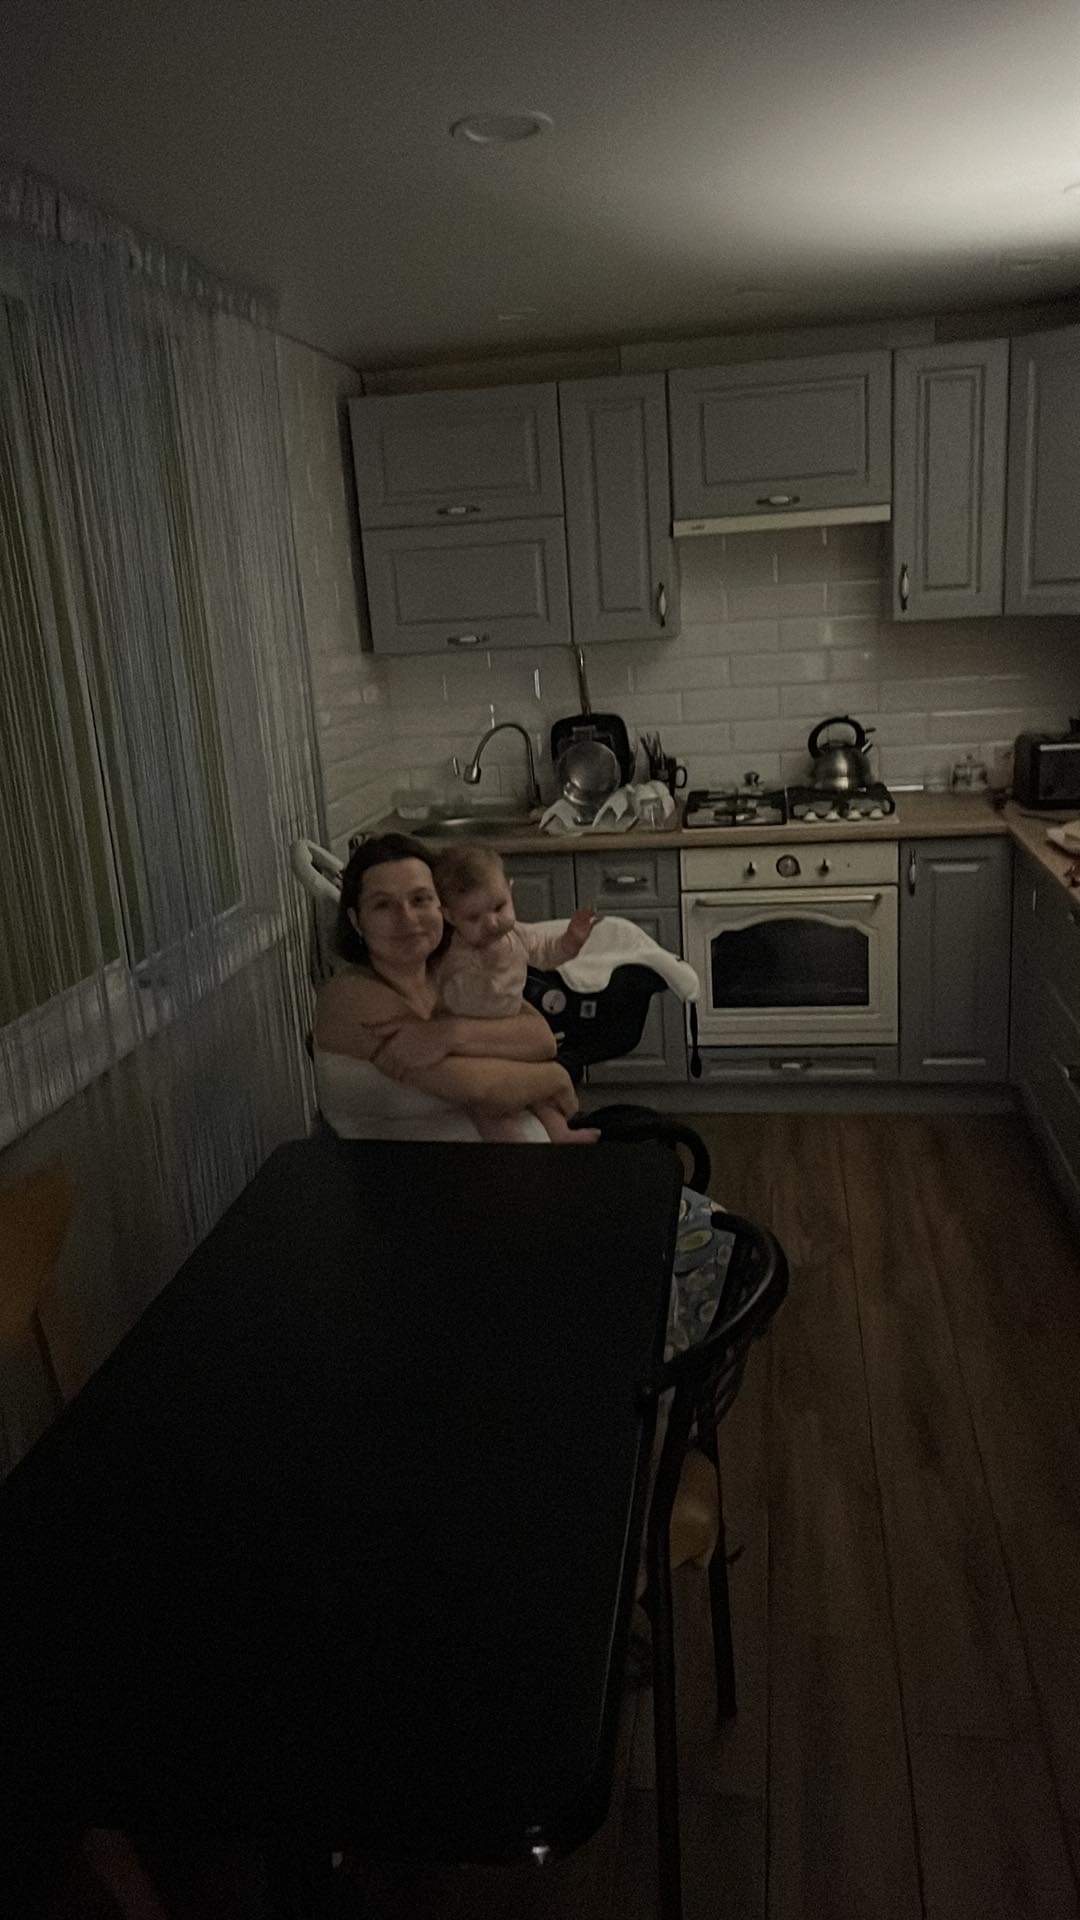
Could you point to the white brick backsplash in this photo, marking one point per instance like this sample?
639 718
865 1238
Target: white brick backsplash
780 629
853 663
855 596
858 697
733 703
807 630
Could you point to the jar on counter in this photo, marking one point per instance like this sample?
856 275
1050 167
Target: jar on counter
969 775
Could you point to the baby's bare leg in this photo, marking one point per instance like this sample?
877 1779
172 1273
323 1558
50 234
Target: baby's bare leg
502 1128
559 1131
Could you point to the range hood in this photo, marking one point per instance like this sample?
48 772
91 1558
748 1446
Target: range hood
782 517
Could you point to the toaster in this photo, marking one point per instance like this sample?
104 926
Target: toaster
1046 769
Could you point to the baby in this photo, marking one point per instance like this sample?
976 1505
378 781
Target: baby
482 974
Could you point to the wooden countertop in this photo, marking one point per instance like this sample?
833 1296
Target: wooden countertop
918 816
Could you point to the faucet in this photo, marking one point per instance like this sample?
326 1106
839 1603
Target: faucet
471 775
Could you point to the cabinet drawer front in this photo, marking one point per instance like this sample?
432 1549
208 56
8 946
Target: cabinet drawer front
543 888
444 459
445 589
799 1066
786 434
624 882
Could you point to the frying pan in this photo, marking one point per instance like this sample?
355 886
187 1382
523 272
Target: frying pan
608 728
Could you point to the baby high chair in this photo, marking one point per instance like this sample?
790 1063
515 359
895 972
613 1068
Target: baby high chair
590 1024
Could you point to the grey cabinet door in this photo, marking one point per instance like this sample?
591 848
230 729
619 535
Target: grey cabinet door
543 886
1042 548
623 585
950 410
660 1054
436 589
955 927
440 459
780 434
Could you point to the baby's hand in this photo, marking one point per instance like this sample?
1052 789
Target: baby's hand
581 925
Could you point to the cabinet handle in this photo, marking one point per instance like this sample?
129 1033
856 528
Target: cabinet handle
465 639
791 1066
661 604
1070 1073
456 512
912 871
778 500
903 586
625 880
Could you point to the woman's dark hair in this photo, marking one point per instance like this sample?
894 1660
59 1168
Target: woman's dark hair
379 851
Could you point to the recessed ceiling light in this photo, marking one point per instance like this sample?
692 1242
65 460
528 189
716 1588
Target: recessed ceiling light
497 129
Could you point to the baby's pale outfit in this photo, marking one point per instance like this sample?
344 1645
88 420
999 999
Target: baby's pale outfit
487 983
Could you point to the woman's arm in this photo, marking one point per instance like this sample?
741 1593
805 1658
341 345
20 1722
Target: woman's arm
524 1036
497 1086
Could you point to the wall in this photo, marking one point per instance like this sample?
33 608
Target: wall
779 631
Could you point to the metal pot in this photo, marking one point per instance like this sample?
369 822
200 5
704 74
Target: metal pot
588 772
840 766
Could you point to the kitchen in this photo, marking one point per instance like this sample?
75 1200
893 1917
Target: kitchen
898 1475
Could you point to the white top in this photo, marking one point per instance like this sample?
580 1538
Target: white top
360 1103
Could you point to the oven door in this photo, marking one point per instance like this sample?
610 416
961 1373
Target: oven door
805 966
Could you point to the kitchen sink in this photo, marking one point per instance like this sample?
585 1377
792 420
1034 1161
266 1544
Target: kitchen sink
480 825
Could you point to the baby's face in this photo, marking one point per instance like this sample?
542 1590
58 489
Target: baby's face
484 914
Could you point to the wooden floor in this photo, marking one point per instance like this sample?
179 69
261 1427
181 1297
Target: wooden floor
903 1500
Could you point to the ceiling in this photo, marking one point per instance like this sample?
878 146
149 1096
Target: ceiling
712 166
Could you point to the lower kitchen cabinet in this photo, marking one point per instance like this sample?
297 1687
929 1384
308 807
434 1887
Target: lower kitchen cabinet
548 887
543 885
1045 1055
660 1054
955 900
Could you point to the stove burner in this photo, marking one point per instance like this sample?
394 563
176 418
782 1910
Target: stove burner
862 803
753 806
735 807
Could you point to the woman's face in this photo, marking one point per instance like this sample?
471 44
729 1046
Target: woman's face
398 913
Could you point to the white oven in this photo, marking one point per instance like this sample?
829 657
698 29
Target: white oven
794 944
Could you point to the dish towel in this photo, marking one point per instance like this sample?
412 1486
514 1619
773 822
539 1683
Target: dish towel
619 943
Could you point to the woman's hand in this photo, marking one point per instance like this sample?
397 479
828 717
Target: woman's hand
415 1046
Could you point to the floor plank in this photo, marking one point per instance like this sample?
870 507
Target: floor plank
841 1833
989 1852
969 1676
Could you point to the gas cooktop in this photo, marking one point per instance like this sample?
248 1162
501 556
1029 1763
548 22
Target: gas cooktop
755 806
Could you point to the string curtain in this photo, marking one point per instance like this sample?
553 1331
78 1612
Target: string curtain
155 729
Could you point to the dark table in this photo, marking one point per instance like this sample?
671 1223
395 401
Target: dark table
343 1536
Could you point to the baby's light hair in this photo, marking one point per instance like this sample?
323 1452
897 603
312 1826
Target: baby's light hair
462 868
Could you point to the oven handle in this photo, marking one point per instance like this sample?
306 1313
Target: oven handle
803 896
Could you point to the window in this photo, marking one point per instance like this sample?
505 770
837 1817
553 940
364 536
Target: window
96 763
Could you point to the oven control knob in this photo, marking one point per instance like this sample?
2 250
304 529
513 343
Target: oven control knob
788 866
825 867
750 870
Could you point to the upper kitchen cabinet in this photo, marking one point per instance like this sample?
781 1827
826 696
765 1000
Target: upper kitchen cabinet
431 589
440 459
1042 552
950 414
797 438
623 584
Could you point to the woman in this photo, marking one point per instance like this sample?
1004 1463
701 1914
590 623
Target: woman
386 1065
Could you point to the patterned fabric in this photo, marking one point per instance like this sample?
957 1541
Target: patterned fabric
702 1253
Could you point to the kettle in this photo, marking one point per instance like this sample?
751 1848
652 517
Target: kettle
840 766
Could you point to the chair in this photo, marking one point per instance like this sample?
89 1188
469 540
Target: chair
704 1381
